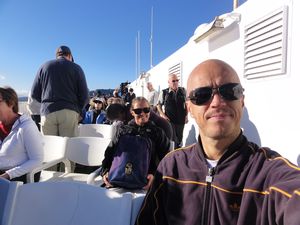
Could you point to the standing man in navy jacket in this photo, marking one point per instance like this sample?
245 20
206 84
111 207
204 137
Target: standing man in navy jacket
61 87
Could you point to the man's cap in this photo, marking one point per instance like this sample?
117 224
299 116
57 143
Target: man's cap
63 50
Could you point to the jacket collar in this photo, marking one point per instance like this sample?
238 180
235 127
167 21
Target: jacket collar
132 123
235 147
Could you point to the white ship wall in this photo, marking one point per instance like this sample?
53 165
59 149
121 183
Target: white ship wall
272 112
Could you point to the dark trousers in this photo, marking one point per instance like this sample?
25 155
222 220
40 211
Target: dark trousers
177 134
84 169
23 178
37 120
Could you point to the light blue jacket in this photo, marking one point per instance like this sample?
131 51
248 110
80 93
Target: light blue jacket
89 115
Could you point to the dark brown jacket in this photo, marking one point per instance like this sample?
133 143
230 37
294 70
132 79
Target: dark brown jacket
250 186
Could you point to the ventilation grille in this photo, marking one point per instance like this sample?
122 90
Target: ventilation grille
176 69
265 46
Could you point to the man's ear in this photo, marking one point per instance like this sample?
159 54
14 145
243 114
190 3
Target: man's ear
189 108
131 112
243 101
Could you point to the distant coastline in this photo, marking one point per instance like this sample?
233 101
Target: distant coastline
23 99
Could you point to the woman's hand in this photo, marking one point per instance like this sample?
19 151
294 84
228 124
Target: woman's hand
150 179
105 180
5 176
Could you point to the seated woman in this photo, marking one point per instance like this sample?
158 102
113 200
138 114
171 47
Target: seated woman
20 141
140 126
96 115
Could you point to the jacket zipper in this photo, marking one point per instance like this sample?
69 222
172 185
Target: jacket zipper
206 203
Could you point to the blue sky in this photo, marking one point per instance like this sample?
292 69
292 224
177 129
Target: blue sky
101 34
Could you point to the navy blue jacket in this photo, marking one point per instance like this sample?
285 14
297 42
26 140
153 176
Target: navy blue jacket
60 84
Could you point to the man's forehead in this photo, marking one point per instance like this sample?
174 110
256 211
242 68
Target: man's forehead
172 76
141 103
211 76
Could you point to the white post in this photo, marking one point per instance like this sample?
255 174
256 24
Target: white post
137 55
151 39
235 4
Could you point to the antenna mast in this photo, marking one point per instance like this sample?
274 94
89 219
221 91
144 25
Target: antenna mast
235 4
137 55
151 39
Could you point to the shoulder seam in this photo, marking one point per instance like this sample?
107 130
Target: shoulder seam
180 149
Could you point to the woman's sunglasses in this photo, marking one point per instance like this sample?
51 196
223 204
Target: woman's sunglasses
229 92
140 110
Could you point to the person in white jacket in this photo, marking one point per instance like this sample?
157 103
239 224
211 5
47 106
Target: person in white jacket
21 148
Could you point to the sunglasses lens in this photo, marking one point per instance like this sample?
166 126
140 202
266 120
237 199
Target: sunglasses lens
201 95
231 91
139 111
146 110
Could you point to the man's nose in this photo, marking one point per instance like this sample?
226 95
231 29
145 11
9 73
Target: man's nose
216 99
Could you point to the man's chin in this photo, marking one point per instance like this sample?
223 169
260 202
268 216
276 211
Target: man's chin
142 121
218 133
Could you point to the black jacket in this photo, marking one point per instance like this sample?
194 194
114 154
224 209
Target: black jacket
160 143
174 103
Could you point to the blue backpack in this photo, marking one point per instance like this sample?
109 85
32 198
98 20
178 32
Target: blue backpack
131 162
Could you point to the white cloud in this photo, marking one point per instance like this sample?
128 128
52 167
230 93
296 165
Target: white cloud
2 77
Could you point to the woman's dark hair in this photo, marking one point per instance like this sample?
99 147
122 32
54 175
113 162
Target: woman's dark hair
116 111
10 97
139 99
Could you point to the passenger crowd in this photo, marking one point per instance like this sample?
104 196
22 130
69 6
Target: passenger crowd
221 179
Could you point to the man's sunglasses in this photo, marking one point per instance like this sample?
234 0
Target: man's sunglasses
140 110
175 81
229 92
97 102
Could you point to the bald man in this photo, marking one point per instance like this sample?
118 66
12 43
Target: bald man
171 106
223 178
